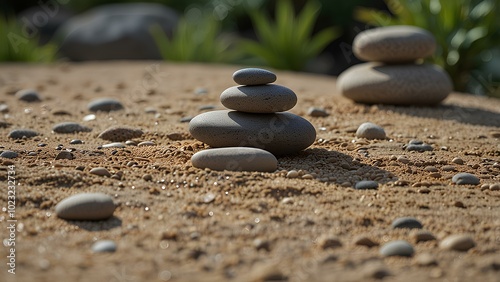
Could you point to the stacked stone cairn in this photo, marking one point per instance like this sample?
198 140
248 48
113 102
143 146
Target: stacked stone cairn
392 74
255 129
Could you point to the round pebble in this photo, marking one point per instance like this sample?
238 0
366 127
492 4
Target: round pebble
292 174
370 130
495 187
28 95
120 133
397 248
104 105
422 236
458 161
64 155
86 206
406 222
366 184
365 241
22 133
329 242
317 112
4 108
259 99
464 178
102 246
458 242
394 44
9 154
425 259
70 127
253 76
114 145
100 171
279 133
374 83
235 159
76 142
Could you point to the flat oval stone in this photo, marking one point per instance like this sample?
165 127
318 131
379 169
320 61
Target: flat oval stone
366 184
370 130
104 246
9 154
464 178
394 44
374 83
259 99
278 133
120 133
458 242
86 206
235 159
70 127
28 95
406 222
21 133
114 145
397 248
104 105
253 76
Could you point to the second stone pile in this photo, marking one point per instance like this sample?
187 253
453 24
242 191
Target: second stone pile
256 127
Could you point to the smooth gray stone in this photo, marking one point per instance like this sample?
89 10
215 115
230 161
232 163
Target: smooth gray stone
253 76
464 178
115 31
405 84
20 133
406 222
370 130
420 147
28 95
366 184
268 98
86 206
120 133
9 154
394 44
70 127
105 105
104 246
278 133
235 159
397 248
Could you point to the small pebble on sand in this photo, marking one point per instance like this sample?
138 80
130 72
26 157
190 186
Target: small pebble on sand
370 130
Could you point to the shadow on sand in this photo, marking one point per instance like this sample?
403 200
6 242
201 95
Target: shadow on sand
100 225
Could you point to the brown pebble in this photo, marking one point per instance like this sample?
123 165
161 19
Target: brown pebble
458 161
425 259
458 242
147 177
403 159
459 204
375 270
365 241
100 171
424 190
64 155
435 175
431 169
422 236
485 187
448 168
329 242
495 187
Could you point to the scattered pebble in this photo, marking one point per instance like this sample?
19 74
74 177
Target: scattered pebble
100 171
70 127
375 270
105 105
448 168
130 143
9 154
464 178
397 248
317 112
419 146
28 95
422 236
147 177
287 201
370 130
114 145
76 142
146 143
406 222
64 155
22 133
495 187
104 246
292 174
365 241
90 117
458 242
366 184
403 159
261 244
235 159
431 169
425 259
86 206
175 136
4 108
458 161
329 242
186 119
253 76
120 133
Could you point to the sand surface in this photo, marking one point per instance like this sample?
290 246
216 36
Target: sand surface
187 224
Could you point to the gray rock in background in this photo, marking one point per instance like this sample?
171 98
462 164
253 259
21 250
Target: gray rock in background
114 32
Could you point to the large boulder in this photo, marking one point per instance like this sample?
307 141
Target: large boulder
115 32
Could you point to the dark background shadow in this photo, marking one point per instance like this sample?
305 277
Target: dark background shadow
99 225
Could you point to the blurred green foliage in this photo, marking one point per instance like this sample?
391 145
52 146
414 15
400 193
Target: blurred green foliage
467 32
17 46
195 40
287 42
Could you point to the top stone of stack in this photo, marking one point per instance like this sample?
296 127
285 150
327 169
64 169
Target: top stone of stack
253 76
394 44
